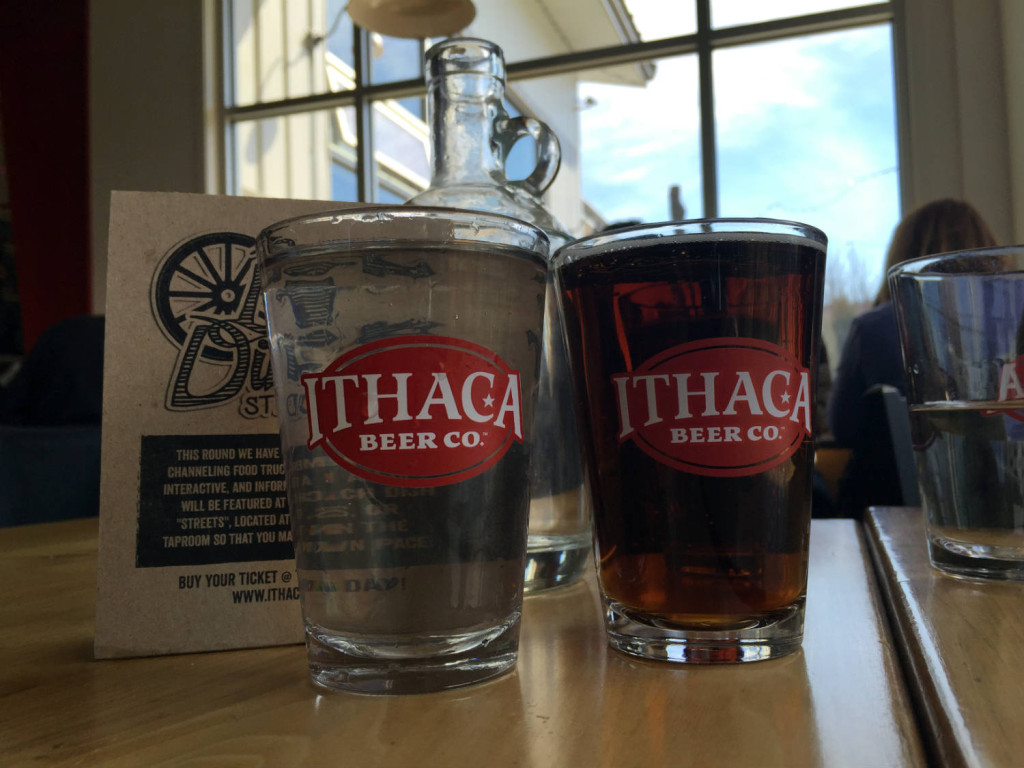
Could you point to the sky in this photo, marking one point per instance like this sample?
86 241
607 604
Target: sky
805 130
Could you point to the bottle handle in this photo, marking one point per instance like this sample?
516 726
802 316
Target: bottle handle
549 153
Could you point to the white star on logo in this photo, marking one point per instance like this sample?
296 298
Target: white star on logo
488 401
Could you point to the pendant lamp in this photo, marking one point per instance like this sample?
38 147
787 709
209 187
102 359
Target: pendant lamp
412 18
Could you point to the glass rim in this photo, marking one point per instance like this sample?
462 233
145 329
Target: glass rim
274 241
924 266
666 231
467 40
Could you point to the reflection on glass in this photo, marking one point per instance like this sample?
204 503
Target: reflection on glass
806 130
731 13
638 142
657 19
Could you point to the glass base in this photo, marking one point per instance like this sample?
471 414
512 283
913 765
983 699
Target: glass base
555 561
758 639
389 664
972 559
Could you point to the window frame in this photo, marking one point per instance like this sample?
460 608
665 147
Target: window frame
703 43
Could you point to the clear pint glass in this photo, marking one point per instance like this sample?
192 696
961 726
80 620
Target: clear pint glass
693 348
405 347
961 325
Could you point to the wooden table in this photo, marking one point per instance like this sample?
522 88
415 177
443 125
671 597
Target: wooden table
964 646
571 701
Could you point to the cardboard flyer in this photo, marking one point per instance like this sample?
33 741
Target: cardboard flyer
195 550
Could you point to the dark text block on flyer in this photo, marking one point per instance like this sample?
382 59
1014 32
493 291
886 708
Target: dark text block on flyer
212 499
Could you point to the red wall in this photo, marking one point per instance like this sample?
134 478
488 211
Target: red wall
44 56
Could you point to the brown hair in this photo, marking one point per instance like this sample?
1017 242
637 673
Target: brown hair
937 227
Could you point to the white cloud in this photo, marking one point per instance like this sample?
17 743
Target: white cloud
638 173
747 79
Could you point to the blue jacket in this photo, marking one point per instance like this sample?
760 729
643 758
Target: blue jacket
871 355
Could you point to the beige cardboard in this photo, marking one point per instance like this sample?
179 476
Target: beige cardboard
190 557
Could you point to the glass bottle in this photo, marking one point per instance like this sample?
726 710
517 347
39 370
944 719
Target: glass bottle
471 136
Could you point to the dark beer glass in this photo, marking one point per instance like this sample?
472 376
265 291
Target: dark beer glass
693 348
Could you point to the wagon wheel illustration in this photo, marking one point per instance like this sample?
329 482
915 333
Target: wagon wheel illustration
209 278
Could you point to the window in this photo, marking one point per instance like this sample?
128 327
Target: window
664 110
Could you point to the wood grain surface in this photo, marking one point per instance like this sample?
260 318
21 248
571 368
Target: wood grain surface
964 643
840 701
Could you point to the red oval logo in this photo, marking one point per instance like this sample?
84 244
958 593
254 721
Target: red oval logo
415 411
724 407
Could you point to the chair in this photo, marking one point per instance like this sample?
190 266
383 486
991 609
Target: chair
898 417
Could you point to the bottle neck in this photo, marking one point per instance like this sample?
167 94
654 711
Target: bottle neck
463 109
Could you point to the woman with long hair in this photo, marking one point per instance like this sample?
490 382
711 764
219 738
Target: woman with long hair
871 354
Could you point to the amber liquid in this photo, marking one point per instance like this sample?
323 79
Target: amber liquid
685 549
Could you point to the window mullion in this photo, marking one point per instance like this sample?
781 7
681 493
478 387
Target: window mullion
709 166
904 160
366 168
223 134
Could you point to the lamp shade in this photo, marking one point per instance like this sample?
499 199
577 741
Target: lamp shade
412 18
